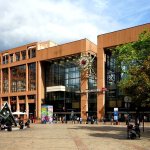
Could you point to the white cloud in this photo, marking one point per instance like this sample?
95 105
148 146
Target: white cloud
102 4
59 20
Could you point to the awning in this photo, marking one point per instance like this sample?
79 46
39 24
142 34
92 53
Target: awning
19 113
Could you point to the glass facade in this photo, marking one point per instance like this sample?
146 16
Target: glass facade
55 75
72 78
32 77
113 95
72 83
92 96
59 75
67 75
18 78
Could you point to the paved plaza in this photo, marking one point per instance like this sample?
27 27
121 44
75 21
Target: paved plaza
73 137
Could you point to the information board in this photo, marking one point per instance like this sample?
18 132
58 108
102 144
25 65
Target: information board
47 114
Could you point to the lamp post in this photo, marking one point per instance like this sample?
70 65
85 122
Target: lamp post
127 101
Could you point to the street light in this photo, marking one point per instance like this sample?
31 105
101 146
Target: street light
127 101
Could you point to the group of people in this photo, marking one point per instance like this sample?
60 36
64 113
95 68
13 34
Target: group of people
22 123
91 119
77 119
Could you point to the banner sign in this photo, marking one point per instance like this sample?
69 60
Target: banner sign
50 113
115 114
47 113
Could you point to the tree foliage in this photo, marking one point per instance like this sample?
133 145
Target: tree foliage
133 59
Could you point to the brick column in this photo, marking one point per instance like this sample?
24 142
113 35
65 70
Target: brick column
84 96
20 55
18 105
0 103
27 78
9 82
38 88
101 84
9 102
27 106
1 81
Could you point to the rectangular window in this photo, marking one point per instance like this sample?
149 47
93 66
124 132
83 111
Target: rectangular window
32 52
32 77
31 97
11 58
5 80
18 78
5 59
17 56
23 53
72 78
112 76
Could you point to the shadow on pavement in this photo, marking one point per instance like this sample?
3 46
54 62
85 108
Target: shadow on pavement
115 132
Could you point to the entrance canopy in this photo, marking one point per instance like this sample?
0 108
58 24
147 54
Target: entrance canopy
55 88
19 113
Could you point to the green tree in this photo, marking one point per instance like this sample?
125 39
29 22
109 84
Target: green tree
133 59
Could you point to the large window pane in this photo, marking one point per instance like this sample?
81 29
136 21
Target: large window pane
18 78
54 75
32 76
23 53
67 75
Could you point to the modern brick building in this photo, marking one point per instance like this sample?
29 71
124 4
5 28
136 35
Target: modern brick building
71 76
106 74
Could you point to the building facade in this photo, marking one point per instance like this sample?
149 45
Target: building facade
45 73
72 76
107 75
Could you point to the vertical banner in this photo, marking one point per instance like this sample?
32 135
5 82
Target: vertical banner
47 113
116 114
50 114
44 113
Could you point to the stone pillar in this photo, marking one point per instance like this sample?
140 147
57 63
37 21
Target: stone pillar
38 88
101 84
20 55
1 81
27 56
84 96
9 78
1 86
27 76
18 105
9 102
0 103
27 106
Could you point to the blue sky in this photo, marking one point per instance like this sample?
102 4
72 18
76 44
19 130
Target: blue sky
64 21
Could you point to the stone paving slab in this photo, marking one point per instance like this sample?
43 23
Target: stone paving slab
73 137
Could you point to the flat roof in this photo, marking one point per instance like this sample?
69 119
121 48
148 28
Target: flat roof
124 29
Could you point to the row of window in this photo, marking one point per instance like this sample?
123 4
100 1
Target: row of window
23 97
18 78
22 55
